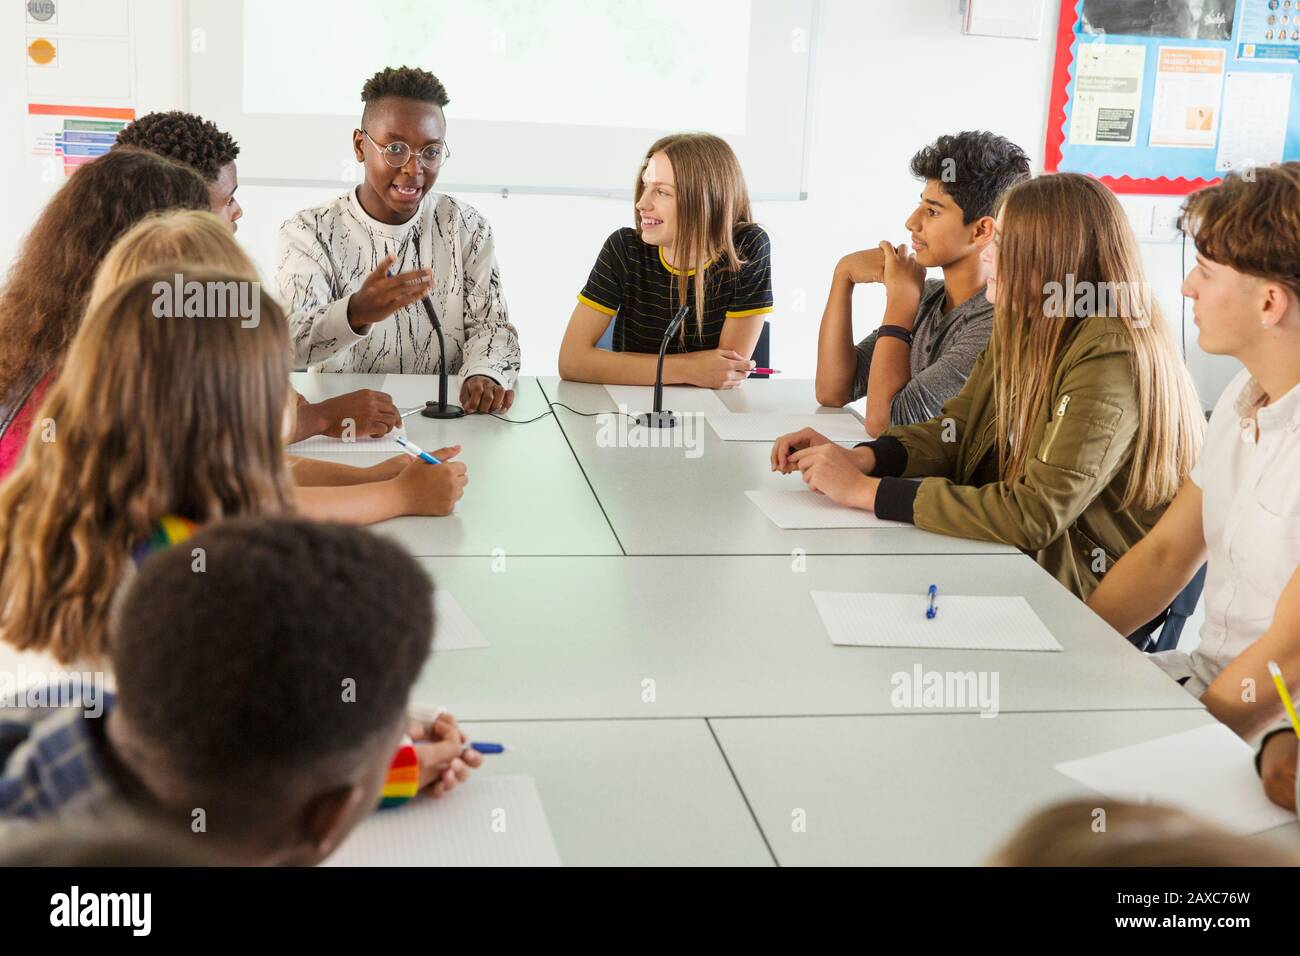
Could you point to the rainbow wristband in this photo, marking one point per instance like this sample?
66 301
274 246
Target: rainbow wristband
403 780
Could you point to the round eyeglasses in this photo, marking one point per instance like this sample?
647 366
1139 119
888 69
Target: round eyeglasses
398 154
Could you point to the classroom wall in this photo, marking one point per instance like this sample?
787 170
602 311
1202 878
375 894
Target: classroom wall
889 76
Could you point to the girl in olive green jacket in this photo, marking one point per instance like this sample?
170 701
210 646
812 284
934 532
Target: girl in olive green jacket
1078 422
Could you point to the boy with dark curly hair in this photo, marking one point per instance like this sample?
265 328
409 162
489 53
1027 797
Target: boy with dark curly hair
933 330
197 143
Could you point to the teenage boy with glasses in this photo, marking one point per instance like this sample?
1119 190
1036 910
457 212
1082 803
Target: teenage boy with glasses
355 269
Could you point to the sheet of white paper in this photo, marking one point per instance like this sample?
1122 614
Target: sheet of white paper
1256 114
800 509
964 622
323 444
412 391
1209 771
453 630
762 426
677 398
493 820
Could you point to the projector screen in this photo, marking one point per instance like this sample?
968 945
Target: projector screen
546 95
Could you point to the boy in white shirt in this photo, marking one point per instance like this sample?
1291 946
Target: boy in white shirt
348 313
1241 506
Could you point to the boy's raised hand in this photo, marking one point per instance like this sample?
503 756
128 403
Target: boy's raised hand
867 265
440 751
904 277
381 294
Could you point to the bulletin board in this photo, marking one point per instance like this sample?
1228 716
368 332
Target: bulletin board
1166 96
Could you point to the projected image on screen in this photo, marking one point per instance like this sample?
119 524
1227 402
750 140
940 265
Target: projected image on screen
652 64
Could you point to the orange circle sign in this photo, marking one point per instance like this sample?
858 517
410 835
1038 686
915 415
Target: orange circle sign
41 51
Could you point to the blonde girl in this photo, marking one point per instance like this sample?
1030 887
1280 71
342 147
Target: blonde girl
151 420
693 244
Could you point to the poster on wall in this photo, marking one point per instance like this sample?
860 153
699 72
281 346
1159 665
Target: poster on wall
1108 94
79 80
1165 96
1189 87
72 135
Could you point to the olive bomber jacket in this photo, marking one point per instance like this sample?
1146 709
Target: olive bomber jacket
1065 510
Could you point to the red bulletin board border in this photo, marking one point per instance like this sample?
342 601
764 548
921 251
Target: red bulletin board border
1162 186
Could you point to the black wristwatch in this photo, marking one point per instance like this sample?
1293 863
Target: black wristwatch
896 332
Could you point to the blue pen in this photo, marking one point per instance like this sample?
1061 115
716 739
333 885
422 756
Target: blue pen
933 609
486 748
415 451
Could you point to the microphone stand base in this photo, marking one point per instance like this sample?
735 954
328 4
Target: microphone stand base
434 410
657 420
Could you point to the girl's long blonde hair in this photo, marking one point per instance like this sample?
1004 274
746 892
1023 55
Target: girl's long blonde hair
181 235
712 205
184 235
151 416
1067 232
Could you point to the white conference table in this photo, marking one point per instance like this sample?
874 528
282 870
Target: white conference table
936 790
631 792
739 636
526 493
657 662
662 500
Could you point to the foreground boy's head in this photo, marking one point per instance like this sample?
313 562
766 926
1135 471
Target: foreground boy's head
964 176
1245 288
263 670
402 141
197 143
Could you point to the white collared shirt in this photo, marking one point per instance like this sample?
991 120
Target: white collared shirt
1249 476
327 252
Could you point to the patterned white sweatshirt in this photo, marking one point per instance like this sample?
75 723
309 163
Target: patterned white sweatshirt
327 252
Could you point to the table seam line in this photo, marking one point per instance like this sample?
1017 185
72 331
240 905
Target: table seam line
578 461
808 716
743 796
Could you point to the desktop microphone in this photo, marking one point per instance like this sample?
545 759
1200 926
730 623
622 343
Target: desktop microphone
440 408
660 418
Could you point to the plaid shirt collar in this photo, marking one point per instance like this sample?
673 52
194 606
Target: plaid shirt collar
52 763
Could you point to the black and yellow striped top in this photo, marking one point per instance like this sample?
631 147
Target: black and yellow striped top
631 282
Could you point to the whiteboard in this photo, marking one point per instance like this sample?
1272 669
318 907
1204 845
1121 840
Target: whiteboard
558 96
